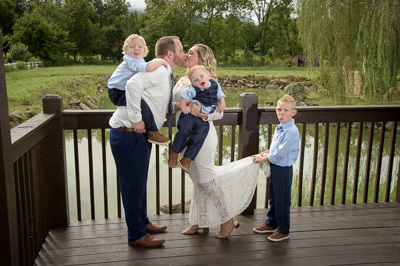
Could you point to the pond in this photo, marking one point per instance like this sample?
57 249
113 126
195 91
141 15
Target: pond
232 96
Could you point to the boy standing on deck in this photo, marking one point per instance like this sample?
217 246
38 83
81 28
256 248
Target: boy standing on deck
282 154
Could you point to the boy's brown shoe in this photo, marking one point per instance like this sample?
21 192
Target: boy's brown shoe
276 237
157 138
263 229
173 158
185 164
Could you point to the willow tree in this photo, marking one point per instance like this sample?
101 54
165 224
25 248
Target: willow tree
356 45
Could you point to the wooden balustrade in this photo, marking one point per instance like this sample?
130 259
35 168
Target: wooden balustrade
35 188
249 118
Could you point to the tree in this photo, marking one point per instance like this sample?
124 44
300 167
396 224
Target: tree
282 35
8 16
238 10
262 9
83 31
350 39
113 20
162 18
212 9
44 38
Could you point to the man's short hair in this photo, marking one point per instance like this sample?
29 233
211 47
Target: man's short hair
165 44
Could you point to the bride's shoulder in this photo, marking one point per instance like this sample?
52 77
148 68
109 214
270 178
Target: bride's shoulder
183 83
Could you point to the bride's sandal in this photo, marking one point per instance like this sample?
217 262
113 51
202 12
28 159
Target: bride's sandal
222 235
193 230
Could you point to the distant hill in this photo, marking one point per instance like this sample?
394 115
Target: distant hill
138 11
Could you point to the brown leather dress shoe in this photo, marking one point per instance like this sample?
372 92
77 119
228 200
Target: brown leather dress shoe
147 241
154 229
173 158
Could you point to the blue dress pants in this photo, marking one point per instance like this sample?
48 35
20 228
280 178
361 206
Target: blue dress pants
279 195
131 153
192 131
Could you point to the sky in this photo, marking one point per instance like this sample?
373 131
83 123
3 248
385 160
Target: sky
138 5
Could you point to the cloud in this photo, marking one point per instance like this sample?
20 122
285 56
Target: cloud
137 5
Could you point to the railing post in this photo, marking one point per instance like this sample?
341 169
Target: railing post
9 244
249 134
398 185
56 171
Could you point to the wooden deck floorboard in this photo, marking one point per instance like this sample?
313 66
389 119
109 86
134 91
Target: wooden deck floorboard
366 234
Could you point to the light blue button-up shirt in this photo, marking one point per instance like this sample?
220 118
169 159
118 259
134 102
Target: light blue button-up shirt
129 67
190 93
284 148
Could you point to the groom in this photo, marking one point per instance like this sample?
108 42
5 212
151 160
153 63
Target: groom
129 145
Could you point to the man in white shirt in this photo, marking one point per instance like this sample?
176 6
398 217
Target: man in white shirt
129 145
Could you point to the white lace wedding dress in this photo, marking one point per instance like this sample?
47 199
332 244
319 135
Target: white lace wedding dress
219 192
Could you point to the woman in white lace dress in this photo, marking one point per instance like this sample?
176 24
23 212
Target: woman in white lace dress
219 192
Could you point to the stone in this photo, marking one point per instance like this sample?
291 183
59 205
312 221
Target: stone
272 87
296 90
234 78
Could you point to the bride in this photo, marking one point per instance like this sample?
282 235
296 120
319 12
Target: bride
219 192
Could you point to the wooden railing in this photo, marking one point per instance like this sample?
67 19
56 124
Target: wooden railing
327 175
39 186
40 181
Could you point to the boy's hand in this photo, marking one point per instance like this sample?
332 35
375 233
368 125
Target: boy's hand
164 63
259 158
264 152
186 110
153 65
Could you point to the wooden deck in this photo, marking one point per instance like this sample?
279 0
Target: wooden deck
320 235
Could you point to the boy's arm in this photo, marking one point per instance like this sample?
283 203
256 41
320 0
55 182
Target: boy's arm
153 65
138 65
221 105
183 106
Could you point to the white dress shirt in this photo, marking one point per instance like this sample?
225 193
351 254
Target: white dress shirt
154 87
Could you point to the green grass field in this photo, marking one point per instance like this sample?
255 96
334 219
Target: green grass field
26 88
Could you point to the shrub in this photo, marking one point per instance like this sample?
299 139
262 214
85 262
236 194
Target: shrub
9 68
19 52
21 65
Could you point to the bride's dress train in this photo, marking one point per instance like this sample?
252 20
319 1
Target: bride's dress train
219 192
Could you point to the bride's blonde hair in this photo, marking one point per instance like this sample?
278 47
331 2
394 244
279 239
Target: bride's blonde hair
206 58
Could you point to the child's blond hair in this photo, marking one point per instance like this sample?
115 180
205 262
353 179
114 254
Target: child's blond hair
128 41
195 68
289 99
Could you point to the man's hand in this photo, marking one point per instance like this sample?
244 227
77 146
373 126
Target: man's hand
139 127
